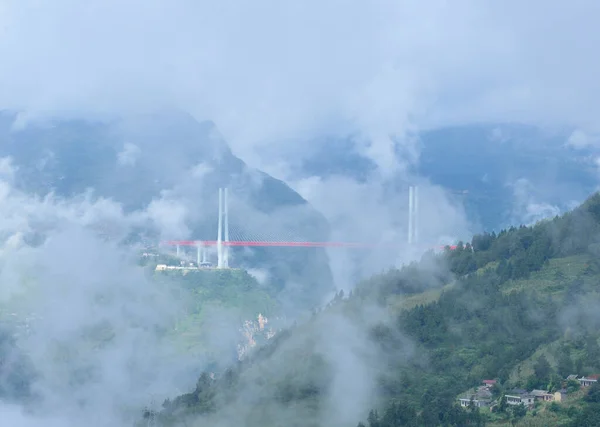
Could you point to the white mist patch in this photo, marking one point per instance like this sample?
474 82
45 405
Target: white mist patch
97 328
333 352
170 214
201 170
14 416
129 155
99 345
7 168
261 275
346 346
527 209
376 212
580 140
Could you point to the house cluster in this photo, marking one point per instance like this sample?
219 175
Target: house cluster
150 255
528 398
189 266
164 267
482 396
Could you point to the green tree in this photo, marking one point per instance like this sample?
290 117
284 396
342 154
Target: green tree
373 419
592 350
554 407
593 394
573 386
399 414
589 417
542 369
533 381
565 364
502 405
517 412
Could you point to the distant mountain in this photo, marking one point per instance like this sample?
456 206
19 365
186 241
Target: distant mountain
139 159
503 168
506 167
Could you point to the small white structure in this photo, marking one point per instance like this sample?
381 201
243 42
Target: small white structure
520 397
588 381
465 402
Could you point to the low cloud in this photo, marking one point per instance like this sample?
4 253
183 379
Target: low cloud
129 155
527 208
266 73
171 215
376 212
261 275
90 321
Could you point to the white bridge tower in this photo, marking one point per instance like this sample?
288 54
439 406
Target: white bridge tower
223 225
413 214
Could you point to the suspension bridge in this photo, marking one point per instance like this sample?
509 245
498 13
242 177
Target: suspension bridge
226 240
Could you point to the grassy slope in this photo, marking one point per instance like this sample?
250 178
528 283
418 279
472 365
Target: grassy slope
552 278
544 281
402 302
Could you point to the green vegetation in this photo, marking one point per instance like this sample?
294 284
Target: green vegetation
229 288
211 297
506 306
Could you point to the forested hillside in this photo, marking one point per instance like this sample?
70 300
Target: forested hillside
520 307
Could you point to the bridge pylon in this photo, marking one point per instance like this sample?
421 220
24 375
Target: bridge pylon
413 214
201 253
223 225
226 228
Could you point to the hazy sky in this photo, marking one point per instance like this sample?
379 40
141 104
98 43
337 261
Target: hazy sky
268 70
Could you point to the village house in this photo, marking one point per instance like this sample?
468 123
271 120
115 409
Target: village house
518 397
466 401
542 395
588 381
482 397
560 395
